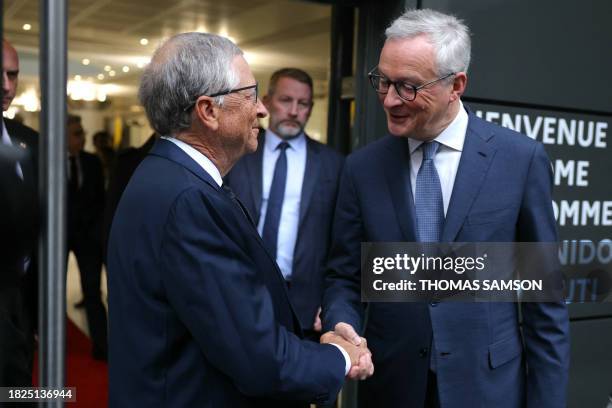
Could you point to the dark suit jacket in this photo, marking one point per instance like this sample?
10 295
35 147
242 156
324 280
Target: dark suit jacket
19 221
502 193
319 191
199 313
20 203
86 206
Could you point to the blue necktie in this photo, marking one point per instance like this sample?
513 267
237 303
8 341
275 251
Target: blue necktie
428 197
429 210
275 200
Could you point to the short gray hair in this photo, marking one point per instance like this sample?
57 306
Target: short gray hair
449 36
182 69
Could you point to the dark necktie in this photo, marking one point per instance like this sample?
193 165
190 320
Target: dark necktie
275 200
73 183
429 208
236 201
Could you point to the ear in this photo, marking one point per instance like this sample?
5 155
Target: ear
459 85
207 112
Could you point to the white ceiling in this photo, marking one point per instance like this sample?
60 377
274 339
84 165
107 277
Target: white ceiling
274 33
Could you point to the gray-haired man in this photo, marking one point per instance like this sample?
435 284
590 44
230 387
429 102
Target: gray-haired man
199 312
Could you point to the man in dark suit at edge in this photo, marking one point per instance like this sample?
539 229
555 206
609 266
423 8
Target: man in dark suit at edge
18 283
444 175
289 185
199 312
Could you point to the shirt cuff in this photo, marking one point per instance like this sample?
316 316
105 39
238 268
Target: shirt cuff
347 359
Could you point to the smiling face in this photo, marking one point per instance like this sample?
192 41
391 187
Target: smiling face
239 125
412 60
10 72
289 105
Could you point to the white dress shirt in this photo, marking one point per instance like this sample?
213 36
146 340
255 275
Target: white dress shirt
290 213
447 158
6 139
199 158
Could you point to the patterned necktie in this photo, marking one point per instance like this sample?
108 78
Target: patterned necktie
429 211
428 197
275 201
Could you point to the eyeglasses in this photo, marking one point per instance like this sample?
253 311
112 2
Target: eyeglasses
256 86
405 91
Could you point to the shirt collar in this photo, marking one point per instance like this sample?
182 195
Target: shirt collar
453 136
273 140
199 158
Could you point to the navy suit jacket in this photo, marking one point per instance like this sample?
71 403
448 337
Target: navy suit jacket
502 193
199 313
318 200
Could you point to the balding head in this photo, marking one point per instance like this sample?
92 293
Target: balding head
10 73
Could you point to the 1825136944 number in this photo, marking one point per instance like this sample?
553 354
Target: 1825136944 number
34 394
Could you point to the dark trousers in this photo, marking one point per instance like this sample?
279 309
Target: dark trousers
88 255
16 341
432 399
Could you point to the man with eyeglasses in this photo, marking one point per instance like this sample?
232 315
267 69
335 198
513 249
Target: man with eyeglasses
444 175
199 311
289 185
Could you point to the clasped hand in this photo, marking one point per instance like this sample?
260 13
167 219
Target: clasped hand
357 348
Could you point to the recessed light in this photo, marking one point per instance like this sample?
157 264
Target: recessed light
111 73
125 68
100 76
144 41
107 68
77 77
27 27
85 61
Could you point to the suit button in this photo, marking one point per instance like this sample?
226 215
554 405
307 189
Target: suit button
434 304
423 352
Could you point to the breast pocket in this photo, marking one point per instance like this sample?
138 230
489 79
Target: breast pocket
502 215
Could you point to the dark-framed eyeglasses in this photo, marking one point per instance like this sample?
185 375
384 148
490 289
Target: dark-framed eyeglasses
405 90
244 88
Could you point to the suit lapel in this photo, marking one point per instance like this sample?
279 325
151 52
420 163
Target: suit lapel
311 177
475 161
27 164
397 171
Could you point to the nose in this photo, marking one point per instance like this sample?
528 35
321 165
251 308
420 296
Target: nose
5 82
293 111
392 99
262 112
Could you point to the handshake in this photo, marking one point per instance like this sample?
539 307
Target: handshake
357 348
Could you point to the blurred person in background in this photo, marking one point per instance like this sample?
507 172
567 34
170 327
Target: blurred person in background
84 231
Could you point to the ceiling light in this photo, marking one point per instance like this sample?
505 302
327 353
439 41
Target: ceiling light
107 68
27 27
144 41
77 77
85 61
125 68
111 73
100 76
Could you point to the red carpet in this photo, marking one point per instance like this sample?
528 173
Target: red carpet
90 377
